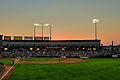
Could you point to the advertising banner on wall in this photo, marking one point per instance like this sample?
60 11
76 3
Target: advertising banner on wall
46 38
17 37
38 38
7 37
28 38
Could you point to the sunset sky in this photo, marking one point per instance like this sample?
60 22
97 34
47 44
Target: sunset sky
72 19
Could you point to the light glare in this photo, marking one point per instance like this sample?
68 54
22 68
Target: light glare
95 20
36 24
46 24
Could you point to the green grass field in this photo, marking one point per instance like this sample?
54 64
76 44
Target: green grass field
40 59
6 61
94 69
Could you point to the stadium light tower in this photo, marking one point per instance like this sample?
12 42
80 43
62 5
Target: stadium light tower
50 25
95 21
42 25
35 25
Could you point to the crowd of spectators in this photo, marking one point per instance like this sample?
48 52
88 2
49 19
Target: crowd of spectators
14 53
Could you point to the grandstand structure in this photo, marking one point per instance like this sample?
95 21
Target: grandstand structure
54 48
43 44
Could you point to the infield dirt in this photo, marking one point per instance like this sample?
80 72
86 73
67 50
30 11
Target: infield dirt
64 60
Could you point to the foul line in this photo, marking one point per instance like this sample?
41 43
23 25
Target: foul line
7 71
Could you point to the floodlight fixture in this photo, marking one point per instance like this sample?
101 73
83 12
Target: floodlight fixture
95 20
36 24
46 24
40 24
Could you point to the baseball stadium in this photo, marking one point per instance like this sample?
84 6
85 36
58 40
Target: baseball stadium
59 40
44 59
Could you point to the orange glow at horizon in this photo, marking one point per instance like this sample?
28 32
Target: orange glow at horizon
71 19
72 37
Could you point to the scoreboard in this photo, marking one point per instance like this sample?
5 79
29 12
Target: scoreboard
17 37
7 37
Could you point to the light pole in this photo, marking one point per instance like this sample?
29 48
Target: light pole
50 31
49 25
95 21
42 30
35 25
